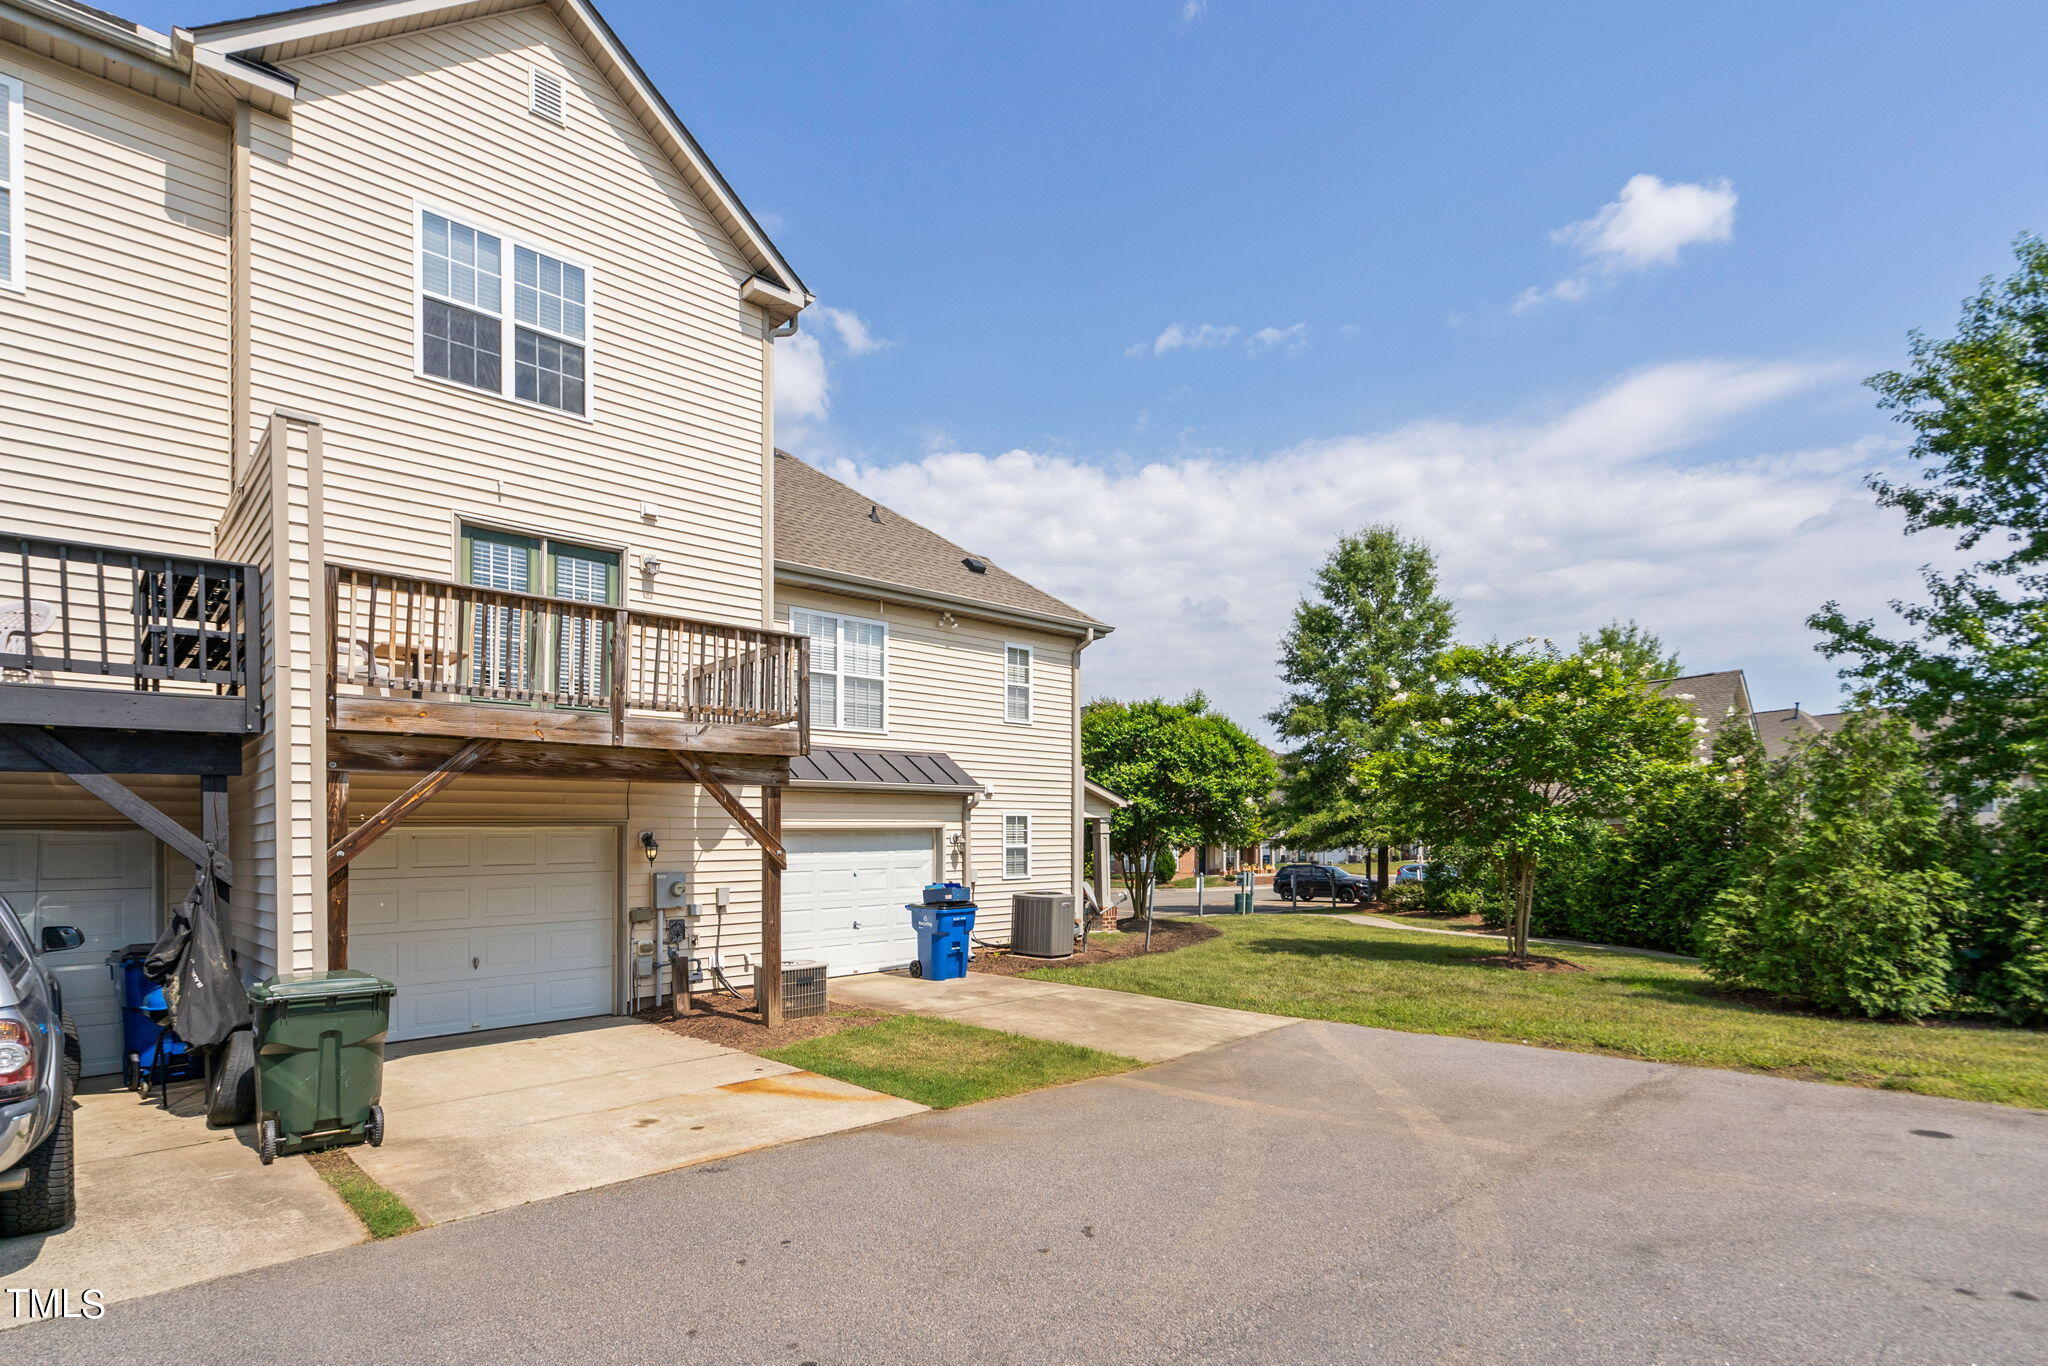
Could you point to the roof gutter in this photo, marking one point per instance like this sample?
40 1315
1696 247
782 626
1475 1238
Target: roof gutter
832 580
918 789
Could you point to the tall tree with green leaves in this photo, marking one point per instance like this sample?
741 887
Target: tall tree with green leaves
1974 672
1190 776
1633 646
1375 627
1519 748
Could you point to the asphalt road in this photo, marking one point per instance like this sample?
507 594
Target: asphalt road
1317 1194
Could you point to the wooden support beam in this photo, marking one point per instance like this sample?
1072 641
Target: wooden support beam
768 976
59 757
337 880
416 754
342 850
770 841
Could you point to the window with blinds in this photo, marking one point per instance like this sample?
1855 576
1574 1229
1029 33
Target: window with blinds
12 266
466 328
1016 846
507 643
849 670
1017 683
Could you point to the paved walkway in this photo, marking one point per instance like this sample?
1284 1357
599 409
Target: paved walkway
1149 1028
1318 1193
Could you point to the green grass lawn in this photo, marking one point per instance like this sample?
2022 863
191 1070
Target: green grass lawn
1321 969
942 1063
382 1212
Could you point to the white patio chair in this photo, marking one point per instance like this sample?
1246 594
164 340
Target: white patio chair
20 624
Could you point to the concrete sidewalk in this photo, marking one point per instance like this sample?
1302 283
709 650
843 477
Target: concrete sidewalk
1149 1028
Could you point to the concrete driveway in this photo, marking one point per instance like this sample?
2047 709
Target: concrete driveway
1317 1193
164 1201
486 1121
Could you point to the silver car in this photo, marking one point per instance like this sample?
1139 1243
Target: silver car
39 1061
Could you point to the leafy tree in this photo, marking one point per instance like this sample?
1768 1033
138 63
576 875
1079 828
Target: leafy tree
1191 777
1846 899
1374 628
1633 647
1976 677
1519 748
2002 945
1647 879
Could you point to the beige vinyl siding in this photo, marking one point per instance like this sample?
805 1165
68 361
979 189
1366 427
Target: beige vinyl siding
115 357
676 366
946 692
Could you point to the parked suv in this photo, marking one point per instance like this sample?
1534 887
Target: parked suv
39 1061
1307 881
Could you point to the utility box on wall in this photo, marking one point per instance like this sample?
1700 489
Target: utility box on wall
671 890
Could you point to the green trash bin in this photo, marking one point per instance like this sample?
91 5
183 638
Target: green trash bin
319 1059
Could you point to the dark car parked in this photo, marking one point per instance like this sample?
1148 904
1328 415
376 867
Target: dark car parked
38 1067
1307 881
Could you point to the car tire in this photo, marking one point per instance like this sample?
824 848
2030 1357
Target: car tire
48 1200
74 1052
231 1099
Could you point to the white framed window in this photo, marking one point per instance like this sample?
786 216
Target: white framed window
537 349
1016 847
849 670
1017 684
13 260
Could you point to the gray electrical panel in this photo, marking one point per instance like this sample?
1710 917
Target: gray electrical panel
1042 924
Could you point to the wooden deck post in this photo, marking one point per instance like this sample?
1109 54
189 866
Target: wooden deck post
768 976
337 878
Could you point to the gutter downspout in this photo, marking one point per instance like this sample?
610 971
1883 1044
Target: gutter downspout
1080 823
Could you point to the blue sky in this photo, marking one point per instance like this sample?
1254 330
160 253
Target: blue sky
1336 208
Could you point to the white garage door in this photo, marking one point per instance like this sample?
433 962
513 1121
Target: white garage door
843 897
103 882
482 928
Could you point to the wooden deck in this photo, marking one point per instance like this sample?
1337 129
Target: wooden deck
413 656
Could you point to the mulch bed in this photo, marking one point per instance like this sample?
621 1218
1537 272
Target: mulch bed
1535 962
735 1023
1167 935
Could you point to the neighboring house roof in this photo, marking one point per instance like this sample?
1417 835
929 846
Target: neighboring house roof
163 66
1096 795
931 772
1721 699
834 531
278 37
1786 727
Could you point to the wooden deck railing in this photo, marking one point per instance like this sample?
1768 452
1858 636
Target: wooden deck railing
399 635
74 615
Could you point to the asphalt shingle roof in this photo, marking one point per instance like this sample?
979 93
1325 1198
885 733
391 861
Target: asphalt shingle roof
1785 727
1720 698
826 525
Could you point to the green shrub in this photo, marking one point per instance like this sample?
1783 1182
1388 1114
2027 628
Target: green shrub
1165 866
1844 898
2002 945
1407 896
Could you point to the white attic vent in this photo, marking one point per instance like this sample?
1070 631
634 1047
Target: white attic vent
544 97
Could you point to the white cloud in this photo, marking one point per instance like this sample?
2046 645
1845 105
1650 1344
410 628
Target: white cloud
803 391
1549 525
1180 337
1193 10
853 333
1648 225
1209 336
803 380
1291 338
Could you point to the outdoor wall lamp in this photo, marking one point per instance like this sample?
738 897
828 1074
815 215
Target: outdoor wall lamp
650 846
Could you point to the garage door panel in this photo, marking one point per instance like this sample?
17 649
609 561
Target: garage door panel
845 893
514 927
370 907
381 857
103 883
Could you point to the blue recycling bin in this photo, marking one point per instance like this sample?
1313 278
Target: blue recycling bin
150 1052
943 940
